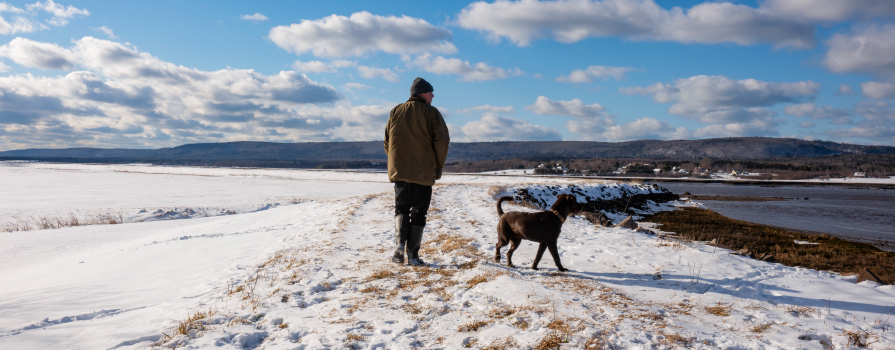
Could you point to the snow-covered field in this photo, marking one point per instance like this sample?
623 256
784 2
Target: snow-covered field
298 259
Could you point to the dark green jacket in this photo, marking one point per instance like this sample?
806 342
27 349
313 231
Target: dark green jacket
416 141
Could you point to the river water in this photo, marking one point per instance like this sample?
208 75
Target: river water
864 214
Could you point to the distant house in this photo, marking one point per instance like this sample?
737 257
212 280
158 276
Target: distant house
657 170
860 174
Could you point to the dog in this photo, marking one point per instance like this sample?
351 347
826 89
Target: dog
542 227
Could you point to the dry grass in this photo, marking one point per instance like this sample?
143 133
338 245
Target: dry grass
472 326
502 344
54 222
858 338
549 342
831 254
761 327
196 321
722 310
674 339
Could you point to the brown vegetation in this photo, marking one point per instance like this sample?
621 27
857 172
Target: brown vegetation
832 253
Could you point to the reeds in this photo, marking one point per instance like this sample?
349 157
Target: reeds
832 253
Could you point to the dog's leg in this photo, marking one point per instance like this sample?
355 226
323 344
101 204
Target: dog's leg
501 242
514 244
534 265
555 254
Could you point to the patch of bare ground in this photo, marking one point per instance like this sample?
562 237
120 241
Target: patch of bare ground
831 253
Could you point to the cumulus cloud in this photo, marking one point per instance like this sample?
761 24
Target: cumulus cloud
718 99
493 127
34 54
878 90
589 123
256 17
60 13
595 73
575 107
644 128
115 95
356 86
490 109
845 90
808 109
381 73
870 49
362 33
573 20
829 10
108 32
807 124
762 126
20 24
313 66
454 66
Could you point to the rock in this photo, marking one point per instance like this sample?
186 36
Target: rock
657 276
866 275
628 223
597 218
768 258
713 242
687 193
644 230
744 251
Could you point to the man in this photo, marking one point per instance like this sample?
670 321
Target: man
416 141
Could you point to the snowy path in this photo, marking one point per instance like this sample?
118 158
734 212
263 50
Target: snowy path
317 275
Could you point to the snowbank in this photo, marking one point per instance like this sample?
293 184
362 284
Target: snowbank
317 275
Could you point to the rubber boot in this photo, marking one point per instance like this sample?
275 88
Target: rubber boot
413 245
401 235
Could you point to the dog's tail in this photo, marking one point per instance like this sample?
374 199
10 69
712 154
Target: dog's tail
501 200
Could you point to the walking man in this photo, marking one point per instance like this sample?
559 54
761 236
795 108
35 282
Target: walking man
416 141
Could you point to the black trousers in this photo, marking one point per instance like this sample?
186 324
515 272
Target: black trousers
412 201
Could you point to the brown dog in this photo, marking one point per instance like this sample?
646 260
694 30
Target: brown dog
543 227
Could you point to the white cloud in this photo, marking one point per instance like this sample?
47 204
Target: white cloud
490 109
829 10
807 124
493 127
117 96
808 109
765 126
61 14
878 90
718 99
595 73
870 49
454 66
256 17
545 106
108 32
313 66
573 20
845 90
589 121
381 73
356 86
34 54
20 24
644 128
361 34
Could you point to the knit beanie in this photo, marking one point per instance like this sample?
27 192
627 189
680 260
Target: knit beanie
420 86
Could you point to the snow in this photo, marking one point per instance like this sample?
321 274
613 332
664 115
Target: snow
299 259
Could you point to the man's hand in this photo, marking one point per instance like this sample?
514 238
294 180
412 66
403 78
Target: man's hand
438 174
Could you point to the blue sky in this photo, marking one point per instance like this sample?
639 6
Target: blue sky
166 73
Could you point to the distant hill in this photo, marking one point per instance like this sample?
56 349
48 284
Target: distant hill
310 153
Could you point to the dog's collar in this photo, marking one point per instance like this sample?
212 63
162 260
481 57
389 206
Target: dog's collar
561 219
